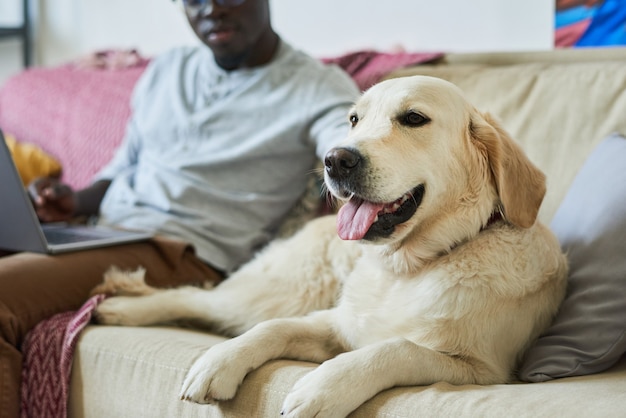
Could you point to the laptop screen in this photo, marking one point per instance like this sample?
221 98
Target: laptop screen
19 226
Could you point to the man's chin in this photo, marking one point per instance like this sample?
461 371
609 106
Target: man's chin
229 61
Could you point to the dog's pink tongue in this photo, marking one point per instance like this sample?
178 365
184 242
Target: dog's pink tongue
356 217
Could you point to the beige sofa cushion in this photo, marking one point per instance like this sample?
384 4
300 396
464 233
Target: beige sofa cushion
137 372
557 111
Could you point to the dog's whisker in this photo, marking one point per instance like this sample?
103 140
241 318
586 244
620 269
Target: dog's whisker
319 171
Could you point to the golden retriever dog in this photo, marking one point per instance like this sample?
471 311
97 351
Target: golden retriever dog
434 269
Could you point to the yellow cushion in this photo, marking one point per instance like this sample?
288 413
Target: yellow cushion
32 161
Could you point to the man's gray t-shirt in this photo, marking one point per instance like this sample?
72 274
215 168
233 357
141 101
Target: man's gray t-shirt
218 158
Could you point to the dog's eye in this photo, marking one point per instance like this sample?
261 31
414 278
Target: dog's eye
354 119
414 119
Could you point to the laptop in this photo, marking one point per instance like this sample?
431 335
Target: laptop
20 229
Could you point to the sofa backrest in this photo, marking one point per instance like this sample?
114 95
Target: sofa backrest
558 105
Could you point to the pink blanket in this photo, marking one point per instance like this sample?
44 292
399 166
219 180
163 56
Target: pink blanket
74 112
48 352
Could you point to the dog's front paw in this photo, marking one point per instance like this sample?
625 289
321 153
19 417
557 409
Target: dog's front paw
318 394
215 376
120 310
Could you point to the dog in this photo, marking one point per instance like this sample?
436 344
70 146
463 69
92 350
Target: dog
435 268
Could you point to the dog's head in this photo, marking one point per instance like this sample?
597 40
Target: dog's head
420 159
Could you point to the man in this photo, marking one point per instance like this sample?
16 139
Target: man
216 153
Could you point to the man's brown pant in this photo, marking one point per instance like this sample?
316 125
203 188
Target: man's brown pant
34 287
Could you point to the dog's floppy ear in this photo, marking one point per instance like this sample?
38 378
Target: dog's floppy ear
520 184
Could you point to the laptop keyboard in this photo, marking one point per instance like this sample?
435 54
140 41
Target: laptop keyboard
65 236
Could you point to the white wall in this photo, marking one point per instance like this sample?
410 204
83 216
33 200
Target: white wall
72 28
68 29
10 12
325 27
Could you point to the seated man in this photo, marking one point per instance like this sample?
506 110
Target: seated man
217 151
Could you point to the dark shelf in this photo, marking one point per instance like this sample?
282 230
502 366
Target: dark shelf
6 32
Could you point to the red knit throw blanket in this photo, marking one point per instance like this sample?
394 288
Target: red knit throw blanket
48 350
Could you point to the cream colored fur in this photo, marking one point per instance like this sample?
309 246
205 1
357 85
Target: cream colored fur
448 296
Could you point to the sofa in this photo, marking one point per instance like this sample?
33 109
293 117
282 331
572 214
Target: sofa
567 109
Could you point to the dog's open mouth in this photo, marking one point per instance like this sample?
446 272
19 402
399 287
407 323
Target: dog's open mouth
361 219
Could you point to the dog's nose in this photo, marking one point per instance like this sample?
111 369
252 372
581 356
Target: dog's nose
340 162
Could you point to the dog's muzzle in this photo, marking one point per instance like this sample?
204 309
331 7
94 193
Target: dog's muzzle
361 218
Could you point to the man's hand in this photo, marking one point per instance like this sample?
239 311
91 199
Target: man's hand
54 201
